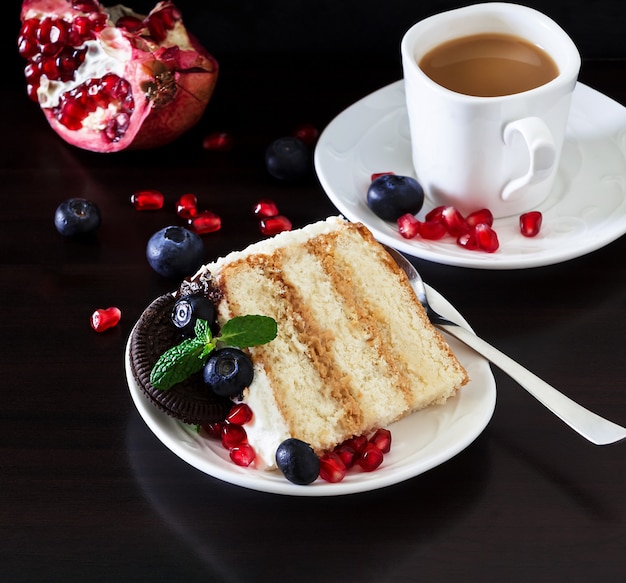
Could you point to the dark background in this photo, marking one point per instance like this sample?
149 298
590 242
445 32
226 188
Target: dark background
335 32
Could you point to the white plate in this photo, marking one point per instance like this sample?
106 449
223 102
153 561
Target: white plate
421 441
586 209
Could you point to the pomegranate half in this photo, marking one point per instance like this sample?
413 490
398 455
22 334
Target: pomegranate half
108 79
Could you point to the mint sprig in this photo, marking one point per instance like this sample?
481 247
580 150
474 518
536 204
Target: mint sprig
181 361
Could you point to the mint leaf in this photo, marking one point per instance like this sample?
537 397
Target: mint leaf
246 331
203 331
178 363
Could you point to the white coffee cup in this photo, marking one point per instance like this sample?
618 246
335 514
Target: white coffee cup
500 153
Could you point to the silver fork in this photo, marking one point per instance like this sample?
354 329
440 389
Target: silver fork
591 426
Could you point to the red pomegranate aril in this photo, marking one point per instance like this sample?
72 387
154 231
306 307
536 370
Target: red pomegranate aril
435 214
104 318
147 200
240 414
376 175
130 23
484 216
274 225
233 435
454 221
486 238
382 439
159 23
242 455
357 443
187 206
370 458
265 208
218 142
347 454
432 230
468 241
205 222
408 226
332 468
214 429
530 223
306 132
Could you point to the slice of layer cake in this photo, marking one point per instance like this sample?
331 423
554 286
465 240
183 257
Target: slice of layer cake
354 351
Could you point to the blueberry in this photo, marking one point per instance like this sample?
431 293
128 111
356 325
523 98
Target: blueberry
288 158
175 252
297 461
391 195
228 371
77 216
188 309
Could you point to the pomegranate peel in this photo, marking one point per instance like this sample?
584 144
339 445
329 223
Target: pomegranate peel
108 79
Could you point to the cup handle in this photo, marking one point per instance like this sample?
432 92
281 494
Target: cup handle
542 153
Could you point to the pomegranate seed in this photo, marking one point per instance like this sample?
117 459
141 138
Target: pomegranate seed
347 454
239 414
357 443
266 208
129 23
486 238
382 439
454 221
481 216
306 132
243 455
408 226
205 222
332 468
274 225
218 142
147 200
468 241
435 214
371 458
233 435
187 206
103 319
379 174
214 429
432 230
530 223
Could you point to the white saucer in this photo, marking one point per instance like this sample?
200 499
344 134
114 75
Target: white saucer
420 441
586 209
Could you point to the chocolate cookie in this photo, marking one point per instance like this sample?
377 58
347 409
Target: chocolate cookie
190 401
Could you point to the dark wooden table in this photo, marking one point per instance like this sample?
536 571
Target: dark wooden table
88 493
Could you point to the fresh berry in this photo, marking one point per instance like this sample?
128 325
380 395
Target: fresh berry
274 225
103 319
454 221
175 252
382 440
205 222
390 196
376 175
371 457
468 241
432 230
357 443
265 208
297 461
288 158
77 216
147 200
187 206
481 216
408 226
233 435
435 214
332 468
228 371
188 309
530 223
242 454
486 238
214 429
240 414
218 142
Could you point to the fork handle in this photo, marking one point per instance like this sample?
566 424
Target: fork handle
596 429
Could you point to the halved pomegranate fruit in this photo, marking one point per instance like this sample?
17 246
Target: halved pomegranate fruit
108 79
